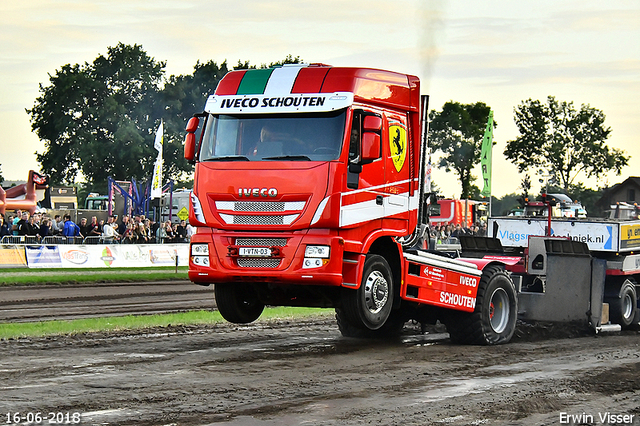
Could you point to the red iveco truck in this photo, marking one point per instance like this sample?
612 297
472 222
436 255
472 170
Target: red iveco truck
308 191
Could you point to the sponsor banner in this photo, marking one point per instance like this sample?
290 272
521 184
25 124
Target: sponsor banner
630 236
298 102
43 257
12 257
516 232
109 256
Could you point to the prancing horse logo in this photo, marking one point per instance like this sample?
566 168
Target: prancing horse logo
398 145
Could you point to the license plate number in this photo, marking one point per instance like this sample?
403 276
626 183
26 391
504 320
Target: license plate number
255 251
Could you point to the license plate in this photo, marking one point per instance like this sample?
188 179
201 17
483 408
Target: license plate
255 251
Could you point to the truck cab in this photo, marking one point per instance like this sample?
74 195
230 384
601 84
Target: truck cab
301 172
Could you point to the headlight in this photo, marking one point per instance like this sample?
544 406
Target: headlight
317 251
199 249
200 260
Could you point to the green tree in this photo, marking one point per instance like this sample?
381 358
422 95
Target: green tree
558 139
457 133
1 177
99 119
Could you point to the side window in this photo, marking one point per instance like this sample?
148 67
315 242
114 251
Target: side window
359 130
354 141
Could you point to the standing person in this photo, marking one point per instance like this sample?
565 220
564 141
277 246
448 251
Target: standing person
129 237
190 231
161 233
147 231
85 227
70 229
4 228
16 219
171 235
35 227
181 232
57 225
109 231
24 227
95 229
122 226
45 228
154 227
140 233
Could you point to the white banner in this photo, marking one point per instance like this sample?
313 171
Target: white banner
156 183
107 256
599 236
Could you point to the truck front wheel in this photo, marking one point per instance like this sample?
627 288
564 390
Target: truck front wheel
494 319
369 306
238 303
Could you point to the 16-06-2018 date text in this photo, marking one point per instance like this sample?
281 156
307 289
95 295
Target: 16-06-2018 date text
46 418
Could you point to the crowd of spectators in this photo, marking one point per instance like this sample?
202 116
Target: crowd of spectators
444 234
128 230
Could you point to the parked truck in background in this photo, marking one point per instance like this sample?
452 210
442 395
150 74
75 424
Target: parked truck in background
308 191
453 212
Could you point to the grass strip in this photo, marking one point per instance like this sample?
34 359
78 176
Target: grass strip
76 276
137 322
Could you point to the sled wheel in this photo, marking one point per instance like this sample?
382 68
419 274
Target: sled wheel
369 306
622 310
493 321
238 303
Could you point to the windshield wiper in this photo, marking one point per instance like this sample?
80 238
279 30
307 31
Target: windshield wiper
288 157
228 158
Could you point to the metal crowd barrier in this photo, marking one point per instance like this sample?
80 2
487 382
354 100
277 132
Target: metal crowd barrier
48 240
19 239
58 240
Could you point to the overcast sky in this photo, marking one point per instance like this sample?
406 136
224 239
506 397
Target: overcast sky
500 52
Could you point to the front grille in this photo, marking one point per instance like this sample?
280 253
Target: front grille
258 220
258 263
257 206
261 242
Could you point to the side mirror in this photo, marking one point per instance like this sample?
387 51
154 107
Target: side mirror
192 125
190 139
370 147
372 123
190 147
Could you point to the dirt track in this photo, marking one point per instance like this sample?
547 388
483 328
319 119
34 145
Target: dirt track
281 373
23 303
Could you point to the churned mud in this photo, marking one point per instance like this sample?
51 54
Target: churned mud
304 373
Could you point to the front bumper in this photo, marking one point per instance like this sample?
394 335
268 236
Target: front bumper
284 262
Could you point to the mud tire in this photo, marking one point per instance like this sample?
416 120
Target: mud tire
391 328
622 309
493 321
369 307
238 303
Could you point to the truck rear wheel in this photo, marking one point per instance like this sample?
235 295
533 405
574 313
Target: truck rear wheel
622 309
369 306
493 321
238 303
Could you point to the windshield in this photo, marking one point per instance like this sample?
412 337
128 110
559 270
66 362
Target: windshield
269 137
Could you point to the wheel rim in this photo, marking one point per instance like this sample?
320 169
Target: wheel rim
627 306
499 310
376 292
